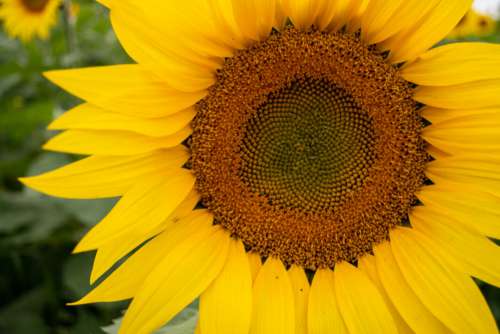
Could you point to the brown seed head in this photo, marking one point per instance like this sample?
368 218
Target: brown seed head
308 148
35 6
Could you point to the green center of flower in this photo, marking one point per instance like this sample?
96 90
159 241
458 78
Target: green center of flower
35 5
308 146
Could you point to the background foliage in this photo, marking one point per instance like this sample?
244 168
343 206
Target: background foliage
38 274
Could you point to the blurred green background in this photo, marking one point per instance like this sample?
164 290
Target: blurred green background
38 274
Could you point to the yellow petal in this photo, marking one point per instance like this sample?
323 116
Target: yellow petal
408 12
255 18
176 281
376 16
470 95
144 44
437 115
354 9
147 45
255 264
184 77
300 286
368 266
449 294
105 3
474 133
428 31
144 207
128 278
115 249
105 176
475 210
224 17
323 311
104 81
184 30
327 12
469 251
454 64
302 13
127 89
112 142
408 304
333 15
197 330
360 303
90 117
204 36
273 304
437 153
359 8
473 171
226 305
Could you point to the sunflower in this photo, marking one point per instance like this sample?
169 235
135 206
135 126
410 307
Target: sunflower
473 24
28 18
301 166
486 25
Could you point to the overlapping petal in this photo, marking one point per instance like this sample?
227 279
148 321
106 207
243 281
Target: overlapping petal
421 35
469 251
133 89
469 95
105 176
90 117
401 20
450 295
127 279
418 317
114 143
476 210
455 63
368 265
145 206
360 303
463 172
273 304
300 287
226 305
323 310
176 281
479 133
115 249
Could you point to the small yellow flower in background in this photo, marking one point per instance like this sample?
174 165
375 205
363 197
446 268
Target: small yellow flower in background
273 158
474 24
486 25
26 19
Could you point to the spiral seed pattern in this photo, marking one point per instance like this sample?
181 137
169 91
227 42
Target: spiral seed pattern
308 148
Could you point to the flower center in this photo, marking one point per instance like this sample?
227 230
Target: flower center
35 5
308 148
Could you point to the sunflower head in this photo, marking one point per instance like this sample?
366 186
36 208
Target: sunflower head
26 19
298 165
327 142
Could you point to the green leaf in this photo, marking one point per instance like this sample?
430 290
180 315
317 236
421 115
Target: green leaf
28 218
24 315
76 273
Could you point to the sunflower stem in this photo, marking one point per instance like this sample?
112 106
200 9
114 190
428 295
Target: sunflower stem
68 26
